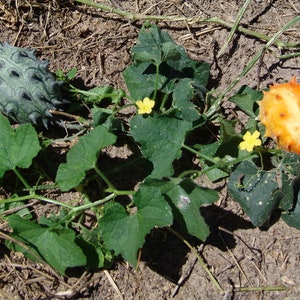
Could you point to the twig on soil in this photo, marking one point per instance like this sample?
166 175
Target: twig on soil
293 6
269 288
234 259
196 19
113 284
200 259
184 278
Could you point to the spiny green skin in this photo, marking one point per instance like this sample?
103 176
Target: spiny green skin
27 88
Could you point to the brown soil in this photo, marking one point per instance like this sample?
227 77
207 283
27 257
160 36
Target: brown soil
98 44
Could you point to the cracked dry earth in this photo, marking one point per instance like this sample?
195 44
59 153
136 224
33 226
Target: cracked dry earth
98 43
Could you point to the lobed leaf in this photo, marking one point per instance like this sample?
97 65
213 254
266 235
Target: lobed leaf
186 198
141 80
156 49
161 138
83 157
289 193
155 46
182 94
56 246
18 146
254 190
125 233
246 99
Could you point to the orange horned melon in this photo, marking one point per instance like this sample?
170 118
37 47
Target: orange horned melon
280 113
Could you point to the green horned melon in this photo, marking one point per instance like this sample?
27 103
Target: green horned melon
28 90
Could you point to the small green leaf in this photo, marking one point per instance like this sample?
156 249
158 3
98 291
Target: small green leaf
125 233
208 149
83 157
254 190
246 100
72 73
161 138
288 169
93 251
22 212
57 246
216 174
102 116
17 146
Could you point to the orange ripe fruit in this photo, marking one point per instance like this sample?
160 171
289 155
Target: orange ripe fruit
279 111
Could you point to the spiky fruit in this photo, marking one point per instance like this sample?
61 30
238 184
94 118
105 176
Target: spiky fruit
28 90
280 113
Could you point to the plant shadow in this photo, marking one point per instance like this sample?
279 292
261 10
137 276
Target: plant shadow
166 254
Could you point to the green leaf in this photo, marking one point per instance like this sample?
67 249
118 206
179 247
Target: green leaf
17 146
57 246
141 80
227 128
289 193
155 48
208 149
125 233
187 197
216 174
170 51
83 157
22 212
72 73
229 140
161 138
254 190
182 95
292 216
94 255
154 45
102 116
246 100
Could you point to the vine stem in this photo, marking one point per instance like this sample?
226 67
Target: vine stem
216 164
22 179
111 187
73 209
189 20
105 179
234 27
156 81
33 195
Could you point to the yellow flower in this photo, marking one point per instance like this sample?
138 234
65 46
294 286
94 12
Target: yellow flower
250 141
145 106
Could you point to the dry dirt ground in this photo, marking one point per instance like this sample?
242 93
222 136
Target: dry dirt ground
98 44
